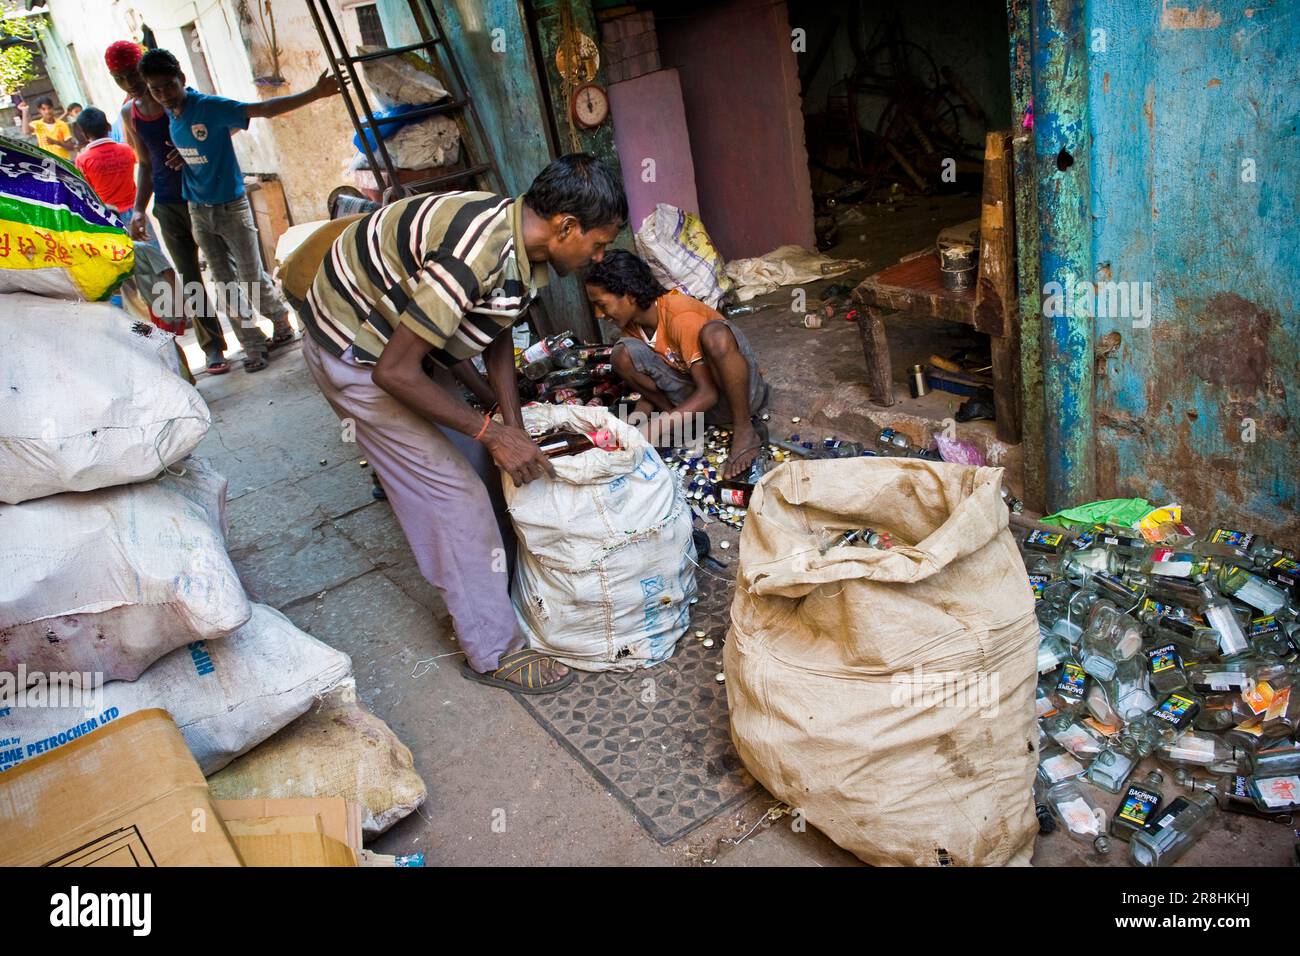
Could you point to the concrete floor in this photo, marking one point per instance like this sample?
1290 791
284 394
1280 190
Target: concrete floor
308 538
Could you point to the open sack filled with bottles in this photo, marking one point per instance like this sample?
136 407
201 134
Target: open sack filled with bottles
606 565
887 694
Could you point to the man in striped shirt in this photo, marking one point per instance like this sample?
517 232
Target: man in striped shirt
429 282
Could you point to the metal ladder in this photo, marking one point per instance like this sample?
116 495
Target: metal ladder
476 157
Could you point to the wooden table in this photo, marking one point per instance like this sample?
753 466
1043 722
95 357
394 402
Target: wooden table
915 287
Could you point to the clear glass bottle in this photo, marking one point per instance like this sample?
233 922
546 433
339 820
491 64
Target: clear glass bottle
1067 731
1276 794
1195 640
1165 665
1163 725
1174 831
1191 750
1053 651
1251 589
1218 712
1110 768
1130 691
1163 562
1084 820
1268 638
1219 615
1282 756
1138 806
1110 637
1056 764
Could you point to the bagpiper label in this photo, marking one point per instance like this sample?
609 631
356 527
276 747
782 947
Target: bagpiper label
1163 658
1233 539
1072 682
1039 582
1044 540
1176 710
1138 806
1262 626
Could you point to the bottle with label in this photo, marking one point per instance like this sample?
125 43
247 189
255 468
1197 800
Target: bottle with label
1251 589
1053 651
1045 542
1165 562
1042 573
1074 736
1223 678
1220 616
1268 637
1171 719
1276 794
1104 583
1280 757
1165 665
1194 640
1110 768
1174 831
1138 807
1191 750
1223 543
551 353
1083 819
736 492
1072 684
559 443
1056 765
1111 637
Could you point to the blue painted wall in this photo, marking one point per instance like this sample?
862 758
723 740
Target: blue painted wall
1185 103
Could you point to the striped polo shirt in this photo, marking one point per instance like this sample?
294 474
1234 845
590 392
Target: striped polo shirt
451 267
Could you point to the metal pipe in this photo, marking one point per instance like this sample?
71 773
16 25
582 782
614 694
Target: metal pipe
1062 149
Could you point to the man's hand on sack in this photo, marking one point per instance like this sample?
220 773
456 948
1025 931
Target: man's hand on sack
516 454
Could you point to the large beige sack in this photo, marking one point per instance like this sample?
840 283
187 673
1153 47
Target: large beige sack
109 581
888 694
336 749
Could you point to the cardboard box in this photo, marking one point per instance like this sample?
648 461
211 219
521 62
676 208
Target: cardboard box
130 794
324 831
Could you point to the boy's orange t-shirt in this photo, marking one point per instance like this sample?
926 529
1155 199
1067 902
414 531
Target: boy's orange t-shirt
677 337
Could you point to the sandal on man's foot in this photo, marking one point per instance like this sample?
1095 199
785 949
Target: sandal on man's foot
254 361
527 667
282 338
217 365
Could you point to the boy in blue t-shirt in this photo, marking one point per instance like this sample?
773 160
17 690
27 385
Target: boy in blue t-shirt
213 186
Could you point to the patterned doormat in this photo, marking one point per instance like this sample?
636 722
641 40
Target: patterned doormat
659 738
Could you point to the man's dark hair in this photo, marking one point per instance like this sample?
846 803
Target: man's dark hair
94 123
160 63
75 106
45 101
622 273
581 186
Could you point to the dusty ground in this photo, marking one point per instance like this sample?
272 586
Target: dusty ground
309 539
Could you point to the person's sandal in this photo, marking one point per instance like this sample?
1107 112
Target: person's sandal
282 338
527 665
255 361
217 365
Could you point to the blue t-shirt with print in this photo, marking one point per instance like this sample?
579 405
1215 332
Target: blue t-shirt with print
201 134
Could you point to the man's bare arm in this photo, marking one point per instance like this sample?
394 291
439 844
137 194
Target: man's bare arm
279 105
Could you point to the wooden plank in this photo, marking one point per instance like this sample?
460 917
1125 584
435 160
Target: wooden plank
995 291
875 349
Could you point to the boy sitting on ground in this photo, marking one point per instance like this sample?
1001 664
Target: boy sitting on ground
681 355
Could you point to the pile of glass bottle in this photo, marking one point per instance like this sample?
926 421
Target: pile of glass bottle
700 468
1165 658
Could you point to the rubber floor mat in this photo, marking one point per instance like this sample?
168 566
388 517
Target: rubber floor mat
658 738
